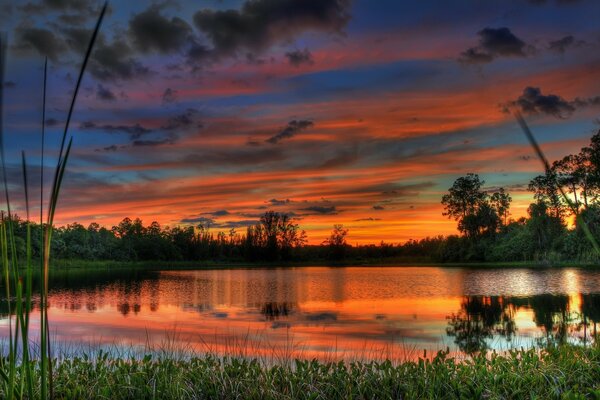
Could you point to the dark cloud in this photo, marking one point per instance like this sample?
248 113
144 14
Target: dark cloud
169 96
185 120
150 31
72 19
292 128
170 138
591 101
211 223
299 57
378 208
236 157
52 122
244 223
367 219
77 39
262 23
494 43
277 202
105 94
43 41
219 213
78 5
324 210
532 101
561 45
113 61
134 131
198 220
110 148
45 6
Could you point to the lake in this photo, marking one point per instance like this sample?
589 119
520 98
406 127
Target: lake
329 313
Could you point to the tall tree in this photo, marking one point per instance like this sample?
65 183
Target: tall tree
500 202
463 197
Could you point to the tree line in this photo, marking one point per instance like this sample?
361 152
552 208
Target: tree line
550 232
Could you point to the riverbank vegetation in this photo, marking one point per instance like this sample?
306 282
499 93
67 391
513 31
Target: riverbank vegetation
565 372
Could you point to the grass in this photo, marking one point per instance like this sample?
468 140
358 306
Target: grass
566 372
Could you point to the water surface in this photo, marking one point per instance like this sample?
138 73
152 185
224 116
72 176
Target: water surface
329 313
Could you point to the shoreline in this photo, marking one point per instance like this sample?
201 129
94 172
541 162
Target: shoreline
199 265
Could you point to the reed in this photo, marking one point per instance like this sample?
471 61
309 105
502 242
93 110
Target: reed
17 370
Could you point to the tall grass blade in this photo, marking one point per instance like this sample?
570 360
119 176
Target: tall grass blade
46 365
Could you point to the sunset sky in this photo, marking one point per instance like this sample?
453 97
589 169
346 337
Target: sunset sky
335 111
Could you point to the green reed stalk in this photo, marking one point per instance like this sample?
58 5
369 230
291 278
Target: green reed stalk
63 156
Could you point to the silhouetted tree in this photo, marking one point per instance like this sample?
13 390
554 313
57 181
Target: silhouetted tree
337 242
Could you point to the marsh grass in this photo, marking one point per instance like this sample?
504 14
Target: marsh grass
19 372
565 372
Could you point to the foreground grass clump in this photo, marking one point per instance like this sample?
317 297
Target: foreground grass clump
564 372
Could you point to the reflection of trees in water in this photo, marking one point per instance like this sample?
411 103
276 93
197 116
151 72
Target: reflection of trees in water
89 290
551 313
590 314
480 318
275 310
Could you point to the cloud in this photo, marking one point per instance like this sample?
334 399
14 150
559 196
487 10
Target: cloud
134 131
378 208
198 220
367 219
52 122
170 138
532 101
323 210
187 119
110 148
277 202
150 31
78 5
103 93
219 213
299 57
77 39
169 96
112 61
72 19
293 127
43 41
494 43
561 45
262 23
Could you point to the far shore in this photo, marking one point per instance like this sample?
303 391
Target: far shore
225 264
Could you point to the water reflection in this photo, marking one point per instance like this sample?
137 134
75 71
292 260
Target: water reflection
479 319
325 312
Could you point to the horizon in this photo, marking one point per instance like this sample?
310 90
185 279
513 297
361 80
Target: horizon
346 114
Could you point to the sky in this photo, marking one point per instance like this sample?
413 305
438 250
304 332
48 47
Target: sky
348 112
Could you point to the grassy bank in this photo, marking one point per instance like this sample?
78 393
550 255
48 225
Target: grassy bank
554 373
